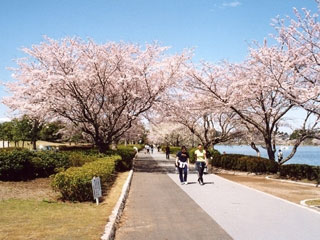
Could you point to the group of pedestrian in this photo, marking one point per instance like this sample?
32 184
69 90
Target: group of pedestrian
183 163
201 161
149 148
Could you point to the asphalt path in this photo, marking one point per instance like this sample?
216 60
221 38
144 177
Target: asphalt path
159 207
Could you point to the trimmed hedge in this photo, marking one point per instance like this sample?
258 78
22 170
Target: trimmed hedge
244 163
16 164
21 164
46 163
173 150
300 171
75 183
79 158
75 147
127 154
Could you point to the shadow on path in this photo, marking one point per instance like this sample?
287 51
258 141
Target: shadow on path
155 163
146 163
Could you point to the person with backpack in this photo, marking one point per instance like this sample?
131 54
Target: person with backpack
201 162
182 163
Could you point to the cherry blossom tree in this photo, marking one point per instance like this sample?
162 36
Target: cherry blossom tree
99 88
166 132
209 124
249 89
135 133
300 37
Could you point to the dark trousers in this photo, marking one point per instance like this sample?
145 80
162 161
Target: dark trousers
200 169
167 155
183 172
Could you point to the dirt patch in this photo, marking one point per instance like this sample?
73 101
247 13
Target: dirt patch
289 191
37 189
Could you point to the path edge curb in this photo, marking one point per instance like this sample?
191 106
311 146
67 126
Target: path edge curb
109 232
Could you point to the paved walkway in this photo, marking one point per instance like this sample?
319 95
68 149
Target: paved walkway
158 209
220 209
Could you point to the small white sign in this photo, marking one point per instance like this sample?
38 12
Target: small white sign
96 188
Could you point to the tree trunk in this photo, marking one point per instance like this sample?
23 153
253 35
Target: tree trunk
294 149
103 147
34 144
269 149
206 145
254 147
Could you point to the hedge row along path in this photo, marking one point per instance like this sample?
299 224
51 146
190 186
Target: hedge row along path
158 207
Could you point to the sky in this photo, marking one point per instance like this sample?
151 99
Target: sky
216 29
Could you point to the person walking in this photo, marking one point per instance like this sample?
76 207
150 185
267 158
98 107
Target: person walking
201 162
280 156
182 162
167 152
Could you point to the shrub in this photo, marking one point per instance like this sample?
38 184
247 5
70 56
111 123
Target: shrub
127 154
191 154
173 150
16 164
212 155
9 149
75 183
139 146
244 163
75 148
22 164
79 158
300 171
45 163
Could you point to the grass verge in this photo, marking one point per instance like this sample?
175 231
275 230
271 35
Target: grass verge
313 202
35 219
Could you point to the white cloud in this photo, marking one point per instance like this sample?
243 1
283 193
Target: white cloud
231 4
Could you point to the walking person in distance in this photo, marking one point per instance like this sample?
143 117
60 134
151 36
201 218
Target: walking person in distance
201 162
280 156
182 162
167 152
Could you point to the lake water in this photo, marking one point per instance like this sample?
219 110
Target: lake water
305 154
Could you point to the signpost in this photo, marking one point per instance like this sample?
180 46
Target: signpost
96 188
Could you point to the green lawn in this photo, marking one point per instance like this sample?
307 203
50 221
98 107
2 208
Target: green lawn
313 202
36 219
27 219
